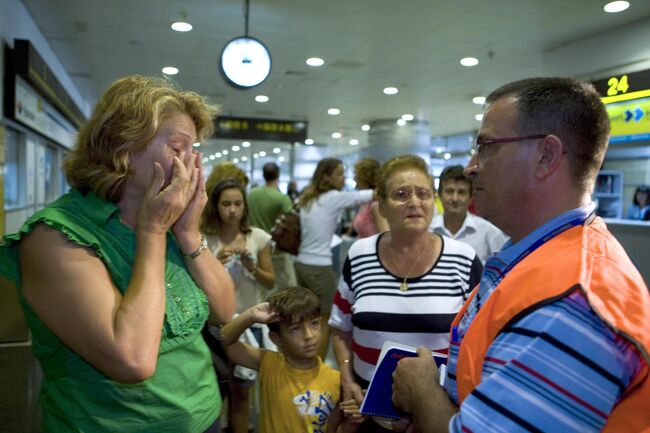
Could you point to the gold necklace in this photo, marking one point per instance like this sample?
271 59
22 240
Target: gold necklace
404 286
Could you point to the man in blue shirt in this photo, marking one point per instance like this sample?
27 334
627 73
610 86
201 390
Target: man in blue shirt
554 338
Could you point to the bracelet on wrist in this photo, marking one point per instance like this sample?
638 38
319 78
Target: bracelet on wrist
202 247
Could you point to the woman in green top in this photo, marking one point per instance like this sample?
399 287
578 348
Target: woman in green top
113 277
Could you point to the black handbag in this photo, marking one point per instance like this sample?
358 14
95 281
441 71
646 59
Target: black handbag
286 232
220 360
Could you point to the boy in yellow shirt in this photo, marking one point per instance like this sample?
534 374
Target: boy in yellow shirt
299 392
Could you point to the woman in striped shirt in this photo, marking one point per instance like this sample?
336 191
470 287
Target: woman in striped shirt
405 285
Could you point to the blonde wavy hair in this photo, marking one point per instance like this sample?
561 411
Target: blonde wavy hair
399 163
124 122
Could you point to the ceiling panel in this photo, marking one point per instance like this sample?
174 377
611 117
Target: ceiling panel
414 45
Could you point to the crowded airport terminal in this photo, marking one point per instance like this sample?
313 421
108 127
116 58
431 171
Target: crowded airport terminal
285 216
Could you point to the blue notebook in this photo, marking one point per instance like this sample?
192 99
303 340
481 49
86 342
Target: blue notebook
378 400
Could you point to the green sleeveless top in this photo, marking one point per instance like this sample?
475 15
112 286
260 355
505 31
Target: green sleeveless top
182 395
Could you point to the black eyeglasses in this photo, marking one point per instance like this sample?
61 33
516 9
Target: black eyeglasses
481 142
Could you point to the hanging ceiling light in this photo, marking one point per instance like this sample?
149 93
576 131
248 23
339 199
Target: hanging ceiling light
245 61
182 25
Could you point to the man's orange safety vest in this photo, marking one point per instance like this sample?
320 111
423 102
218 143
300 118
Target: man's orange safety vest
586 258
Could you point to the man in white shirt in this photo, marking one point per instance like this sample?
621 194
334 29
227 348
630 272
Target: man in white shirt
456 222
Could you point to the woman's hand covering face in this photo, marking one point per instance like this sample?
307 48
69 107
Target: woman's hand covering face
165 207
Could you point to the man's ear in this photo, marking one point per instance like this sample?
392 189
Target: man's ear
551 152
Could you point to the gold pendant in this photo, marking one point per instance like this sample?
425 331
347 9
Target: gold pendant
404 287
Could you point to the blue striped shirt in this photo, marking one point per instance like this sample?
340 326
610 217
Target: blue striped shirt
559 368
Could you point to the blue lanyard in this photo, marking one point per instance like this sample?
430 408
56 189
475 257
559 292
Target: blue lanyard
541 240
580 220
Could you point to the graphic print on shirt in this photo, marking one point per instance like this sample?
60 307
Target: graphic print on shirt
317 406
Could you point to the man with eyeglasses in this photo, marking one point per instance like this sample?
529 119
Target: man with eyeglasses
555 337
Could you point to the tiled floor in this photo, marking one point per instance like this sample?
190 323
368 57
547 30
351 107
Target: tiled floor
20 381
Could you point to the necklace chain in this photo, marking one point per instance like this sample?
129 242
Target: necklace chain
404 286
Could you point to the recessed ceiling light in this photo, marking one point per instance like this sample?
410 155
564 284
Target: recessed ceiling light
169 70
197 144
354 142
205 159
262 154
469 61
244 159
218 154
261 98
255 156
212 157
336 135
616 6
309 142
315 61
407 117
401 122
245 144
236 161
390 90
224 152
447 155
365 127
478 100
479 117
181 26
333 111
281 158
235 148
277 150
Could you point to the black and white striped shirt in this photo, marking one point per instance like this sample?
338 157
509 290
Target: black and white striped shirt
370 304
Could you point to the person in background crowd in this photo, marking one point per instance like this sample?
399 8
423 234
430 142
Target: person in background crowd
265 206
368 221
455 191
246 253
555 338
403 285
299 392
292 191
321 205
113 276
226 170
640 203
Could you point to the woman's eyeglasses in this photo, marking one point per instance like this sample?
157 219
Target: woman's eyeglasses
405 193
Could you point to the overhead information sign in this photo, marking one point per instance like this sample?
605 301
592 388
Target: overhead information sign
627 99
623 83
630 120
245 128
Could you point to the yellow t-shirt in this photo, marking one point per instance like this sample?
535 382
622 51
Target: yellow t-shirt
294 400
